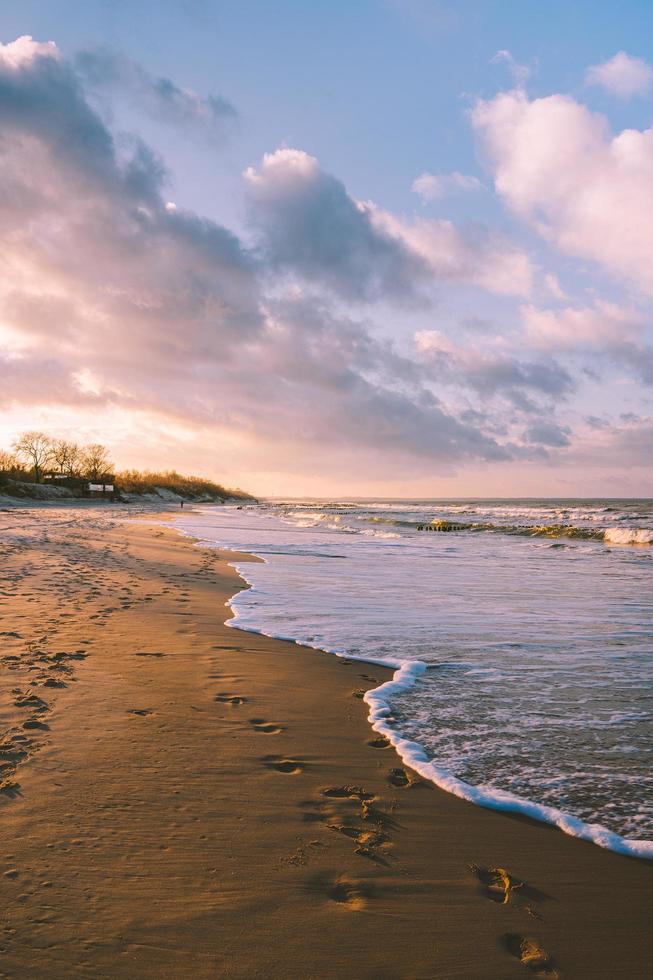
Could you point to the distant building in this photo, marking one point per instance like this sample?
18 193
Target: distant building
107 488
104 487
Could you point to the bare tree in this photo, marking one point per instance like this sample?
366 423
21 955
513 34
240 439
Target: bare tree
10 465
74 459
36 448
96 463
67 456
8 461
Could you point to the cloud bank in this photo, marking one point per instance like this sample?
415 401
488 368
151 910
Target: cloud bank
167 311
268 349
311 225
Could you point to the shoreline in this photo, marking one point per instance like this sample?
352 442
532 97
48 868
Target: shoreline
411 753
183 812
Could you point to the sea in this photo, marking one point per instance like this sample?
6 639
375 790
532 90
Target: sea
520 633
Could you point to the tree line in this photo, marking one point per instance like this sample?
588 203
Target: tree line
35 453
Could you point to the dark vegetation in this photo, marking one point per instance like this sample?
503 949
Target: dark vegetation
40 467
189 487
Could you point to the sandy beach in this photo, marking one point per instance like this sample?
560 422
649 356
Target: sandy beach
182 799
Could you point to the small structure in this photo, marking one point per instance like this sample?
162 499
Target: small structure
106 488
74 483
442 526
103 487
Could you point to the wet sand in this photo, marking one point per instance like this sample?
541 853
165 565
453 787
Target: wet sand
182 799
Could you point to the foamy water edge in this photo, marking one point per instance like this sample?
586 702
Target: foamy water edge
407 673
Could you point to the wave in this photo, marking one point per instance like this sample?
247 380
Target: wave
407 673
622 535
528 530
579 524
611 535
414 755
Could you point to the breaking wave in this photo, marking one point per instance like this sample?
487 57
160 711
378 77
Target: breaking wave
620 535
379 701
611 535
522 654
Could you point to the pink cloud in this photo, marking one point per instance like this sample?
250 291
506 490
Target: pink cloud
431 187
557 165
25 50
623 75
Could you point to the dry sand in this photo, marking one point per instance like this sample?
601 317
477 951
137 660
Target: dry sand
182 799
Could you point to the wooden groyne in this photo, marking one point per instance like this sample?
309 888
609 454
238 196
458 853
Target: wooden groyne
442 527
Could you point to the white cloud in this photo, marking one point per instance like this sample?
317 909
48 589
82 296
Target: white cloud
24 50
283 167
316 229
557 164
623 75
484 260
114 300
431 187
109 297
572 328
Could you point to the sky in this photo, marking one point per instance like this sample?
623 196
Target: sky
353 248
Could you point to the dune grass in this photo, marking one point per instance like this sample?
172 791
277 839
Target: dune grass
190 487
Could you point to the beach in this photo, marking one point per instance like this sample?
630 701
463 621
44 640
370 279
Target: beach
184 799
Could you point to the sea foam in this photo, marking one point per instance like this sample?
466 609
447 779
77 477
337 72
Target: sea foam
414 755
407 673
523 639
621 535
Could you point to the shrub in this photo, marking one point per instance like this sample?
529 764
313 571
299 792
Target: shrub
193 487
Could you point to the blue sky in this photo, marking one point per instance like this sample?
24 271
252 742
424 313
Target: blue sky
376 89
526 324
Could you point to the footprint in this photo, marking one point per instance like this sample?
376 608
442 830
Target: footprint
9 787
367 841
341 828
372 838
368 852
143 712
531 954
145 654
280 764
381 742
229 699
348 793
399 777
11 753
266 727
350 894
499 883
31 701
503 887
